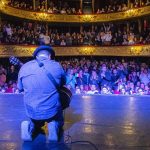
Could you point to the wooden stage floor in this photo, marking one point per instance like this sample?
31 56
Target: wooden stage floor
109 122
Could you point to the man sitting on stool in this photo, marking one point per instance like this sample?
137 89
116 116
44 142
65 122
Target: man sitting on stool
41 98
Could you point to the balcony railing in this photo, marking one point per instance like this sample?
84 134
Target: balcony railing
41 16
26 51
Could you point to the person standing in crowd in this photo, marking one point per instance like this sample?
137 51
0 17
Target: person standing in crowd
70 79
86 75
41 97
8 31
12 74
145 76
93 89
115 78
94 78
46 39
3 74
81 78
105 76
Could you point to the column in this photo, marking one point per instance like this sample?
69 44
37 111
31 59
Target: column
81 28
47 28
129 3
93 6
139 25
0 19
92 27
81 2
128 27
145 24
140 3
46 5
69 29
33 4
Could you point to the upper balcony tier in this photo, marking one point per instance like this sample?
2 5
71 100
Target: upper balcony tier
93 18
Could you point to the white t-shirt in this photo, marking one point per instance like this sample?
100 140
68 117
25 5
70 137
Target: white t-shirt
46 39
92 92
41 37
108 37
8 30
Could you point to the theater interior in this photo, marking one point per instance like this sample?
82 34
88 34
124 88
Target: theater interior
104 49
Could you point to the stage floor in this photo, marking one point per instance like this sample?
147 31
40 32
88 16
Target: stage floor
109 122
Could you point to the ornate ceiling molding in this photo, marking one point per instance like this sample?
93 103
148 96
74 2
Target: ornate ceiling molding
26 51
136 12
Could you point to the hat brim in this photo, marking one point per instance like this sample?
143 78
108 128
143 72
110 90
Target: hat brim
47 48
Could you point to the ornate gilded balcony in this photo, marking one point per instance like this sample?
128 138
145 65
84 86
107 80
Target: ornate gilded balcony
26 51
136 12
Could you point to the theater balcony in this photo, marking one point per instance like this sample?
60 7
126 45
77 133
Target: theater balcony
26 17
26 51
82 17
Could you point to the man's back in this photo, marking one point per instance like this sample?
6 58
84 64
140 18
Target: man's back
41 96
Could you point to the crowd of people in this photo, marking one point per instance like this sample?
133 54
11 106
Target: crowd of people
60 7
87 76
52 8
8 79
118 6
94 76
110 34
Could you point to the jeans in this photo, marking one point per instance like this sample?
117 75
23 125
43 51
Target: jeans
35 125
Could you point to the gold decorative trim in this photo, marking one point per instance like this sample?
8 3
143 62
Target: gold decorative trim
26 51
136 12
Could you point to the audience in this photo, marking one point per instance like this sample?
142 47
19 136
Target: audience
28 33
108 76
59 7
94 76
118 6
52 8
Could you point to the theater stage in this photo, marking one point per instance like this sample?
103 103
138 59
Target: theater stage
109 122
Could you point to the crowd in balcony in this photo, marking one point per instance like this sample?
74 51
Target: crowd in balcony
52 8
27 33
26 5
118 6
60 7
94 76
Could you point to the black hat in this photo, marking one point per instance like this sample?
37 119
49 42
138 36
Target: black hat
44 47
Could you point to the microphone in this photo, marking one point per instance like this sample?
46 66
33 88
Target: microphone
41 64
